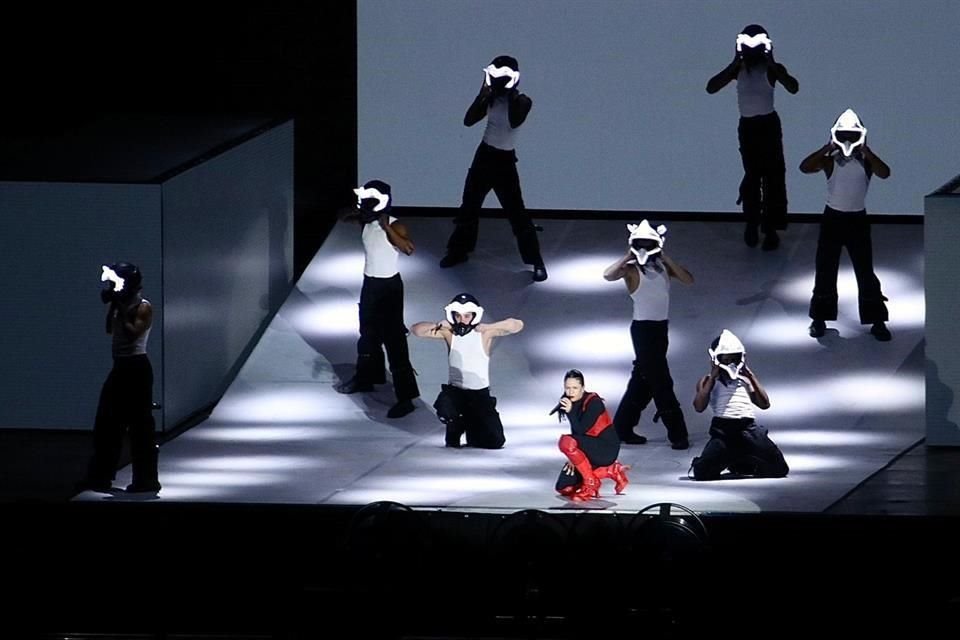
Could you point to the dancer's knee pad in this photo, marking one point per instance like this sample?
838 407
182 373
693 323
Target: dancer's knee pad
446 409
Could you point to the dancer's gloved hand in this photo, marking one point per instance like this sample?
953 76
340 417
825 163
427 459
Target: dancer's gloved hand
734 66
486 91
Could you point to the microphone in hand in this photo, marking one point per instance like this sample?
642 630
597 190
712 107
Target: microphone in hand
559 409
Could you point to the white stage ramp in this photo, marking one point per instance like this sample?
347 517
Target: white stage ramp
842 406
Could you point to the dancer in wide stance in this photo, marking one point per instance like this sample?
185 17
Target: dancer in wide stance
848 164
495 166
646 271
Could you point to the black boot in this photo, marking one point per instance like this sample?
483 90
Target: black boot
452 259
751 235
880 332
771 241
676 428
818 328
632 437
145 471
453 434
355 386
402 408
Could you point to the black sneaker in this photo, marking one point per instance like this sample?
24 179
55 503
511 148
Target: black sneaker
402 408
539 273
633 438
751 236
880 332
452 435
680 445
818 328
354 386
452 259
149 487
771 241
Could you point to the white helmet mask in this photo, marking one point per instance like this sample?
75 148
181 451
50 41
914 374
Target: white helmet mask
848 132
371 193
461 304
109 275
729 344
747 42
490 72
641 234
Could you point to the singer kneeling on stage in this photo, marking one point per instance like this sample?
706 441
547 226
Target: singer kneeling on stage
591 447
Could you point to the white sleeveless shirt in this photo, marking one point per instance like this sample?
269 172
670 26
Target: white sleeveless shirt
847 184
123 343
651 299
731 400
754 92
380 257
499 133
469 363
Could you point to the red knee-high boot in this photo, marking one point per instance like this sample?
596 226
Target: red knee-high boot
617 472
590 487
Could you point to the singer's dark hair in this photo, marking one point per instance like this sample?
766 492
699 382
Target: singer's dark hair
574 373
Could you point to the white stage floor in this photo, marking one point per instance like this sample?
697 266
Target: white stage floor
842 406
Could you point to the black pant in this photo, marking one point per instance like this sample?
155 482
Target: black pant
126 402
851 230
742 446
381 325
495 169
763 190
472 412
650 379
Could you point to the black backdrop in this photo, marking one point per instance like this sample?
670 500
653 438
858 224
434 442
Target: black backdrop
66 64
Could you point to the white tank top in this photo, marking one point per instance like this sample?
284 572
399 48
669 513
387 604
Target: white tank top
731 400
380 257
754 92
847 184
469 363
123 343
499 133
651 300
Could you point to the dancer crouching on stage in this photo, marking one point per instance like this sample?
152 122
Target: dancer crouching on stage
591 447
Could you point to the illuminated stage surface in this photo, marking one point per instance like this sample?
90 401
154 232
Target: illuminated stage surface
842 406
